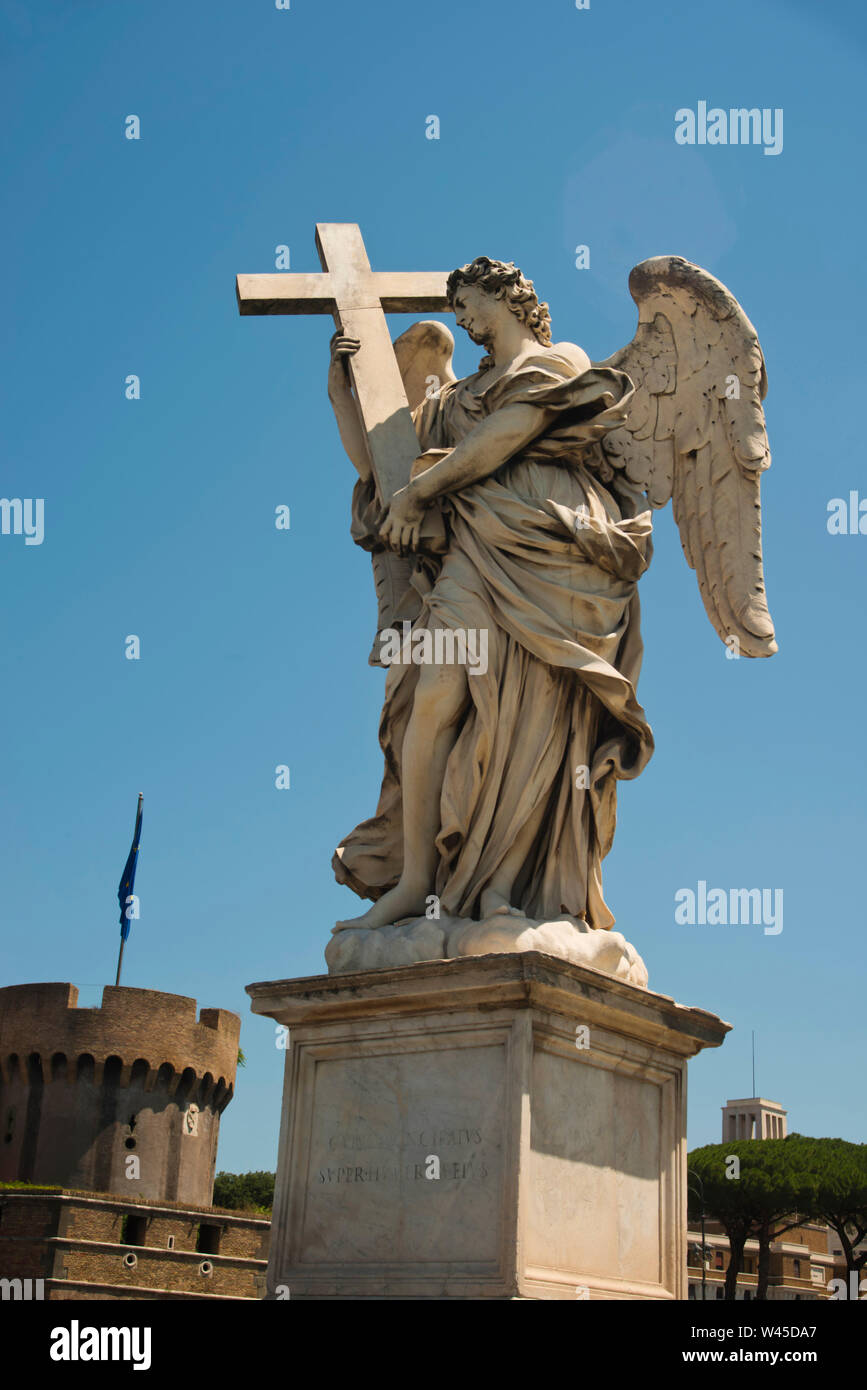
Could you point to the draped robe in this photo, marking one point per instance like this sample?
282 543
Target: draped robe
545 555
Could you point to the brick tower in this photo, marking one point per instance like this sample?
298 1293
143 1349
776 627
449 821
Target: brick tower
86 1092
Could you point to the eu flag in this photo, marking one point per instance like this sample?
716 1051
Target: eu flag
127 878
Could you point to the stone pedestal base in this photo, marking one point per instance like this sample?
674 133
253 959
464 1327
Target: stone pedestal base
505 1126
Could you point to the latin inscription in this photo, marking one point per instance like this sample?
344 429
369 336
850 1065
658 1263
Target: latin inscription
434 1141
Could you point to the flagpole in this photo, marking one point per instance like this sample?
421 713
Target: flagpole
119 960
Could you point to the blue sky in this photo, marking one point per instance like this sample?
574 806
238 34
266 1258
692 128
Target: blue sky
556 129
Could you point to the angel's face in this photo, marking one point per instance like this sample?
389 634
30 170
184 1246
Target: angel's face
478 313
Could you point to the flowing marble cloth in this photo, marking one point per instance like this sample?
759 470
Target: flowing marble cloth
545 557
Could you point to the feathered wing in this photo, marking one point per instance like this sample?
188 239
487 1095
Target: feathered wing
424 357
696 434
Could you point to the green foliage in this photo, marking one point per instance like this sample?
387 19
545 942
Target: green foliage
245 1191
771 1187
29 1187
242 1060
782 1183
774 1181
839 1170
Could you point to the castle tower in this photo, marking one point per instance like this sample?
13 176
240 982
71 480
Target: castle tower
753 1118
84 1093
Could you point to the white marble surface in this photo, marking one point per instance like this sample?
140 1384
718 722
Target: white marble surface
503 1126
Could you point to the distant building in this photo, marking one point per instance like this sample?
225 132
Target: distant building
123 1098
800 1264
63 1245
753 1119
111 1116
802 1261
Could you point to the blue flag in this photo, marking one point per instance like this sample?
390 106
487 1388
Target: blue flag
127 878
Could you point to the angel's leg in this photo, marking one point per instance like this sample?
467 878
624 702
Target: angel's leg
440 699
497 897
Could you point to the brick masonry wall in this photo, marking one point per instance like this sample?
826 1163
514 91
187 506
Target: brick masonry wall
130 1024
125 1098
76 1237
160 1269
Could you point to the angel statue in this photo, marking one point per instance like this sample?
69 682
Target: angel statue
527 522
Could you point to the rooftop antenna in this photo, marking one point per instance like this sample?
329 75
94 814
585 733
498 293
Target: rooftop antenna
754 1063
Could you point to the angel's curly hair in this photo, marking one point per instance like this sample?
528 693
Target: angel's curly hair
504 280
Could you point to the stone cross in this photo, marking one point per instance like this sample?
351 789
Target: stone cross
358 299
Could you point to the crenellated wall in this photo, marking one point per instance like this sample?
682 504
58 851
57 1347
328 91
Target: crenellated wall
84 1093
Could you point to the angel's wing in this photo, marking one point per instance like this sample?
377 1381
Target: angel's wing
696 434
424 356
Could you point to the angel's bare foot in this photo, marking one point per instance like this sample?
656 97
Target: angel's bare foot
493 903
404 900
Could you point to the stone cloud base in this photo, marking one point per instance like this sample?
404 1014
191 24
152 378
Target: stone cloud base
502 1126
418 939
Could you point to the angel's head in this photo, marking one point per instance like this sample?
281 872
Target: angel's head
482 291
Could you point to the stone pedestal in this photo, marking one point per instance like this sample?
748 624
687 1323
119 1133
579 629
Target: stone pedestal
503 1126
